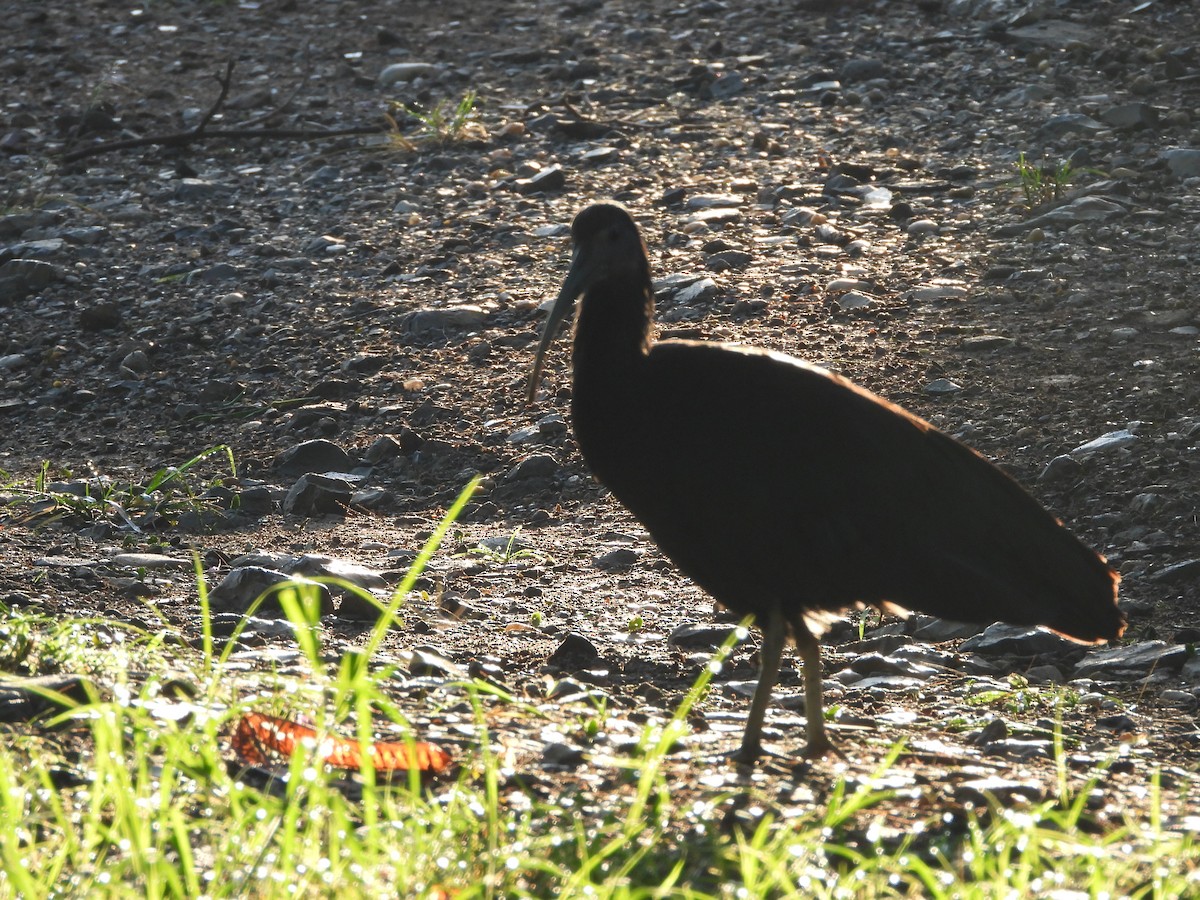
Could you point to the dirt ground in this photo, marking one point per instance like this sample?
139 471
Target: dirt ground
260 291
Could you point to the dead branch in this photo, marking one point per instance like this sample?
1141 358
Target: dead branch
201 131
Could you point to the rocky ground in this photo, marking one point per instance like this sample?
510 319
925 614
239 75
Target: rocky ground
833 180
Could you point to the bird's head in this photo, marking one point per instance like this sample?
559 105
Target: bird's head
607 246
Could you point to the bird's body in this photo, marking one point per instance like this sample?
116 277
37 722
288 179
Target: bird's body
788 492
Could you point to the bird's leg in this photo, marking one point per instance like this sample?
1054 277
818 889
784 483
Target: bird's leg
814 710
774 631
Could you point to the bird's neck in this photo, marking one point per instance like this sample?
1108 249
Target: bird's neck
612 331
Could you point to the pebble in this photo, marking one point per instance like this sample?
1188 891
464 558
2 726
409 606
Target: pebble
1178 573
617 559
698 291
1070 123
983 342
406 71
316 494
921 227
1061 470
694 636
242 586
854 300
150 561
436 321
1001 639
575 652
1132 661
1182 162
21 277
536 465
551 178
313 456
729 259
942 386
930 292
714 201
1131 115
1111 440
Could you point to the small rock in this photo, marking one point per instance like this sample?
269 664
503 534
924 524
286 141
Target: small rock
698 292
983 342
854 300
942 386
21 277
618 559
921 227
1061 469
150 561
405 71
1070 123
1132 661
1131 115
1182 163
1112 440
706 637
1014 640
313 456
242 586
536 465
316 494
575 652
861 70
714 201
425 322
551 178
1178 573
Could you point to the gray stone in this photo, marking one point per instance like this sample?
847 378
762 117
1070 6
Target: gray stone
315 565
1182 162
1061 469
1112 440
697 292
426 322
551 178
942 386
242 586
316 494
313 456
714 201
861 70
854 300
1131 115
150 561
536 465
935 630
1178 573
1133 660
695 636
1014 640
617 559
1070 123
406 71
21 277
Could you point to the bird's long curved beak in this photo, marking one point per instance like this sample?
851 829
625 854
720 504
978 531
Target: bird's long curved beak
572 287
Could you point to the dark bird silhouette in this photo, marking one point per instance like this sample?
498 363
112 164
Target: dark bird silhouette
789 493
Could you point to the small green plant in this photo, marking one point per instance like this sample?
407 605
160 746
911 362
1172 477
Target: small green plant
163 496
636 624
443 123
1043 183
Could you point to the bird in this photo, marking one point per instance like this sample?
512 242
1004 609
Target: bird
789 493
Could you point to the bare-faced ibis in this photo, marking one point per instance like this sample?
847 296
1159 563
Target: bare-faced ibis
787 492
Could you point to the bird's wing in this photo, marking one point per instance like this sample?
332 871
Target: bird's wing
871 500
